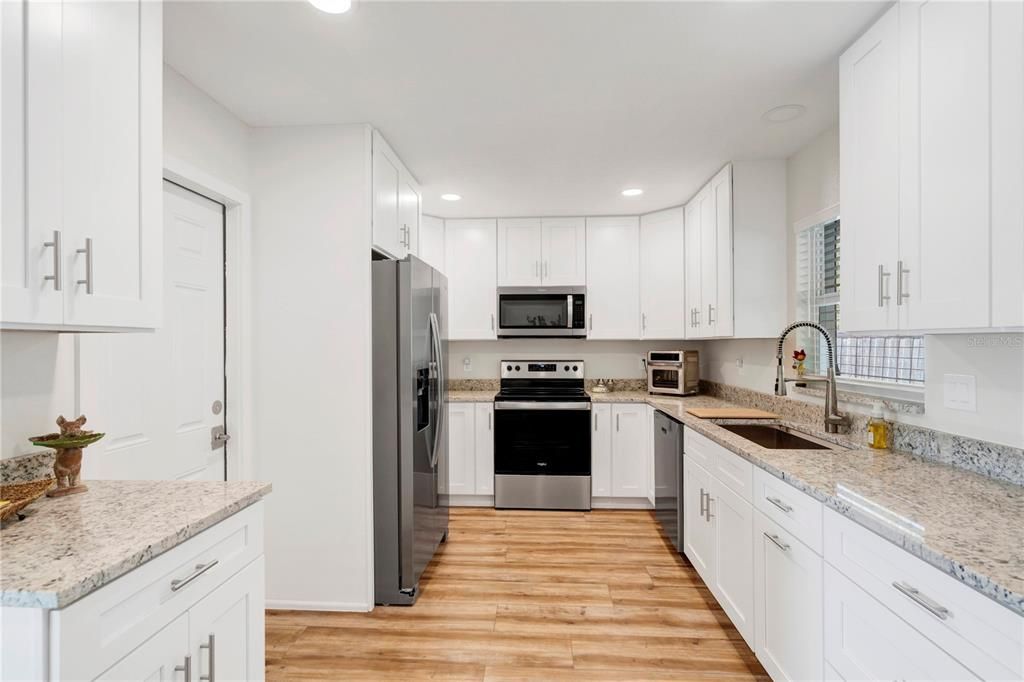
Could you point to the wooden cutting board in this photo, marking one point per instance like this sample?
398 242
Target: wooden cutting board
730 413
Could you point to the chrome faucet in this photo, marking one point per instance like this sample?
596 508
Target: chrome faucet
833 418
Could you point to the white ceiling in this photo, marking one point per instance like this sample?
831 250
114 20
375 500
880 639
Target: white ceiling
526 108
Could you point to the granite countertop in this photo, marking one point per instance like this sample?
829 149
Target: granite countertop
471 396
67 547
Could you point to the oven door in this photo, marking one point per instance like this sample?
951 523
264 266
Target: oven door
525 312
542 438
665 378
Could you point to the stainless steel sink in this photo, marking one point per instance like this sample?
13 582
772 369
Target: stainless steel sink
778 437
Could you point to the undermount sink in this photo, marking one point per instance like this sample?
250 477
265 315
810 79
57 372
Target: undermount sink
777 437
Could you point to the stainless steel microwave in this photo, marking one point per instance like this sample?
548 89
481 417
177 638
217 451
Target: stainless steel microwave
542 311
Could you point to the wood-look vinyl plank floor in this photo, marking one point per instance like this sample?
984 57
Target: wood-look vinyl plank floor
522 595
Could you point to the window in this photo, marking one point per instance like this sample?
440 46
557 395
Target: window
889 359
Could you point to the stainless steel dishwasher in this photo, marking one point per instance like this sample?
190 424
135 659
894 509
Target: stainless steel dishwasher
668 478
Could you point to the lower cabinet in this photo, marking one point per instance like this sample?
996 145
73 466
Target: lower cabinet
468 475
621 456
601 450
161 657
698 533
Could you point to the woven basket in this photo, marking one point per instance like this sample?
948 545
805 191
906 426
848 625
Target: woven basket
20 495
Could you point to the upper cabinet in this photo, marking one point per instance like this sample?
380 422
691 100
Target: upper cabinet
662 286
469 248
82 165
735 246
932 161
613 278
431 241
542 252
396 203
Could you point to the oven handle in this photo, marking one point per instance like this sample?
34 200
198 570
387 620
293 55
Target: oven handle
530 405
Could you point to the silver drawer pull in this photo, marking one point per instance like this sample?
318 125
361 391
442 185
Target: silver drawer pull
777 541
177 583
58 283
186 668
932 606
702 507
88 265
780 504
211 647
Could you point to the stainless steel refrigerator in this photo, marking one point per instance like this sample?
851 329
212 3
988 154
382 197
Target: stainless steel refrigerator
410 430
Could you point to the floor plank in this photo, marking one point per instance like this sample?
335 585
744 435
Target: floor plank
521 595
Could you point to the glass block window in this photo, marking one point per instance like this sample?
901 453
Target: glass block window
889 359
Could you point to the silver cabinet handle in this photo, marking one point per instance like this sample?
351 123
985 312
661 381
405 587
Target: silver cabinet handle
596 421
590 322
210 646
643 322
929 604
707 512
780 504
617 422
702 508
900 294
492 322
777 541
547 268
177 583
490 419
88 265
883 287
710 309
186 668
58 283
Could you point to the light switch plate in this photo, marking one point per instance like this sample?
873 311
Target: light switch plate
959 392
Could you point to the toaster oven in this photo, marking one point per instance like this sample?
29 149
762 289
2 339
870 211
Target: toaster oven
673 372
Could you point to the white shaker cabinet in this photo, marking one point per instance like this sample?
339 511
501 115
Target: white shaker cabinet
472 278
613 278
698 533
631 435
601 450
484 448
520 252
396 202
662 285
468 475
732 583
431 242
82 160
564 252
160 658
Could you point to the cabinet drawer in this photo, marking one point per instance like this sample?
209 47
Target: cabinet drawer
798 513
103 627
979 633
734 471
701 449
865 641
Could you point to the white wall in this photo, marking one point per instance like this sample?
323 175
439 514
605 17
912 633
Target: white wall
312 351
37 369
605 359
996 360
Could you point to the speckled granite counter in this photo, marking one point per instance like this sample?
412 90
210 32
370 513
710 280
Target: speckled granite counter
68 547
471 396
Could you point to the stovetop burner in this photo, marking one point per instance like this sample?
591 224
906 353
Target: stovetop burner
542 380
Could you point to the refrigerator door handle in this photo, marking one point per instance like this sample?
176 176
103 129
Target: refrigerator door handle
435 334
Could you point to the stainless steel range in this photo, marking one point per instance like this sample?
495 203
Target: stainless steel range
542 436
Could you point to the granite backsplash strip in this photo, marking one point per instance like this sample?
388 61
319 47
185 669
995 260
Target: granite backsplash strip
473 385
29 467
999 462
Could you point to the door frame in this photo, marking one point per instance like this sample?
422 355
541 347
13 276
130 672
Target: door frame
239 460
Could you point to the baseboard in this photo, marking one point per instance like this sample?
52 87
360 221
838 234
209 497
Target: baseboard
620 503
471 500
293 605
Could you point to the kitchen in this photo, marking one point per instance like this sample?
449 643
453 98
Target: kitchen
318 280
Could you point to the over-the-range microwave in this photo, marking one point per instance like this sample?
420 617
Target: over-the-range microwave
542 311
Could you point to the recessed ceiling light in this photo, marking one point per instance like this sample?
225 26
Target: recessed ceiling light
783 114
632 192
332 6
451 197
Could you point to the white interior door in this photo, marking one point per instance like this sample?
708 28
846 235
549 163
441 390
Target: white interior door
158 395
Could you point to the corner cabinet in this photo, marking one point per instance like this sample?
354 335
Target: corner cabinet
662 284
396 202
82 165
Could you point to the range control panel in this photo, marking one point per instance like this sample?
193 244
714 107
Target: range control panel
541 369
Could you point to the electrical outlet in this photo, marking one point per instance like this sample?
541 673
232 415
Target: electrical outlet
959 392
467 364
739 363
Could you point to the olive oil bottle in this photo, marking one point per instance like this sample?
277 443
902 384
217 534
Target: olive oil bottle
879 430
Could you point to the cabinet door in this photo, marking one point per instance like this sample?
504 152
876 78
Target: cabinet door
630 442
158 657
484 440
409 212
613 278
662 285
31 211
720 311
461 449
431 241
564 252
520 262
869 176
944 165
698 531
708 263
226 628
866 641
733 582
112 163
387 233
787 604
470 264
601 451
1007 164
692 252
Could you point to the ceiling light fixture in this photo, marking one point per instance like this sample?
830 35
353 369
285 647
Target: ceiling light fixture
632 192
784 114
451 197
332 6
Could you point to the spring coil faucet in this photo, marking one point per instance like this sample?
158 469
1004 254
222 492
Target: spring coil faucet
833 418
